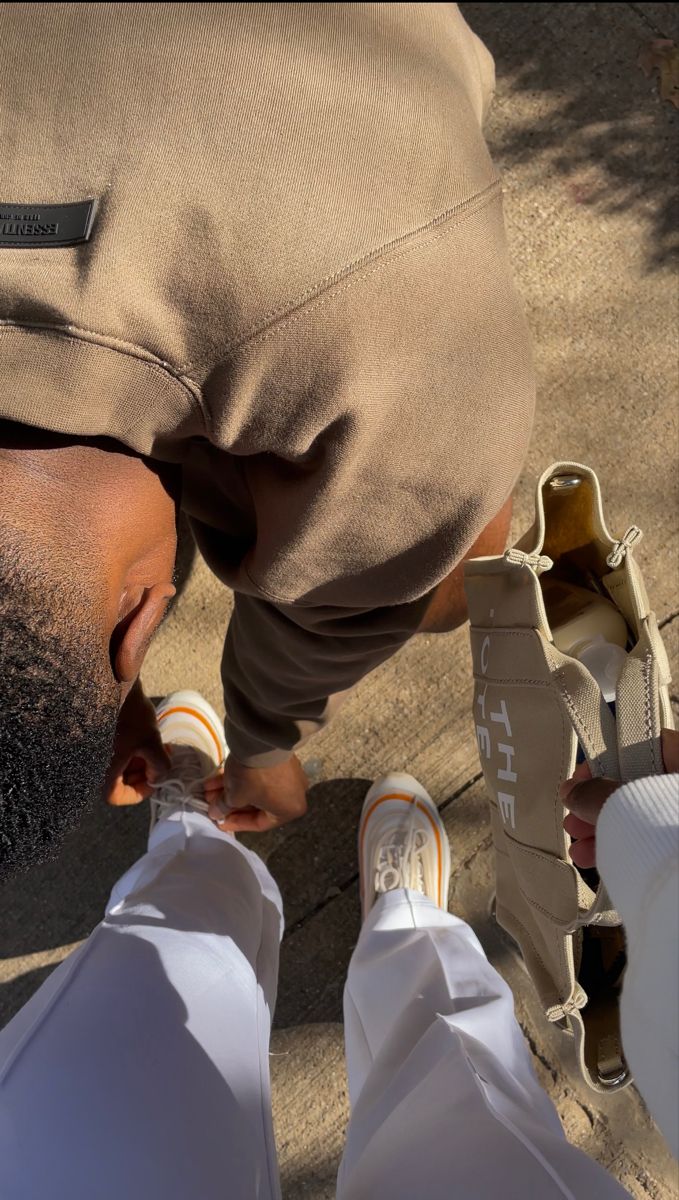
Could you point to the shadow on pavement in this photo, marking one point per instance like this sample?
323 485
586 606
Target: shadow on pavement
584 108
62 901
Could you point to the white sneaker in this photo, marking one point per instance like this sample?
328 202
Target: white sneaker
402 842
191 725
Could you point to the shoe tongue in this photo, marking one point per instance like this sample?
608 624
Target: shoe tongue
189 763
409 868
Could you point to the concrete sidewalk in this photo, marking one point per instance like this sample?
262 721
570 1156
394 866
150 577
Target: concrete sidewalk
588 149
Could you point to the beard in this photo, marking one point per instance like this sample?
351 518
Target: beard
58 716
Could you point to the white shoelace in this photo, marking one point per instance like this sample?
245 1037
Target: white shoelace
172 791
400 862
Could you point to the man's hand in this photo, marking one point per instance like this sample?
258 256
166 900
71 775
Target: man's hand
254 799
139 757
585 797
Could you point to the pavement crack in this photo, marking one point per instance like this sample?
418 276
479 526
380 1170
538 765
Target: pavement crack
460 791
538 1054
484 845
668 620
639 10
340 889
591 1117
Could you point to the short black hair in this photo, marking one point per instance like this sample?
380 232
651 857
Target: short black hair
58 703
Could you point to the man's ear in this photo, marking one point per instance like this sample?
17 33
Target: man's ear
144 610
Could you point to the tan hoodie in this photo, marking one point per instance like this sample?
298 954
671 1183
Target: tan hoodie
265 241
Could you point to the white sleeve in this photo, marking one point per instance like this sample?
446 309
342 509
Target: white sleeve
638 859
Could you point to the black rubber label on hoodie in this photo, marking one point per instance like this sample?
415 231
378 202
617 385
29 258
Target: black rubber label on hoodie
41 225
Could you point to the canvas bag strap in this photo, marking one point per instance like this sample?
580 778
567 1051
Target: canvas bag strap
641 713
589 715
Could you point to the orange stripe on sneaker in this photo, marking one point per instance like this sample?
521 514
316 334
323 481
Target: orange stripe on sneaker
193 712
418 804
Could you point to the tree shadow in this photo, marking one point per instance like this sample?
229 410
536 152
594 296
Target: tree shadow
572 101
60 902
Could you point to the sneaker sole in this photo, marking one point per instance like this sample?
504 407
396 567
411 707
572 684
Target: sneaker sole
405 787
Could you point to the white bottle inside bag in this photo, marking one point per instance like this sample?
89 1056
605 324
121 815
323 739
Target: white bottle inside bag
604 661
590 628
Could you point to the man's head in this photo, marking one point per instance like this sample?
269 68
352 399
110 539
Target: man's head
87 548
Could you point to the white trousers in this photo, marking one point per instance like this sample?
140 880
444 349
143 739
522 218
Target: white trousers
140 1070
